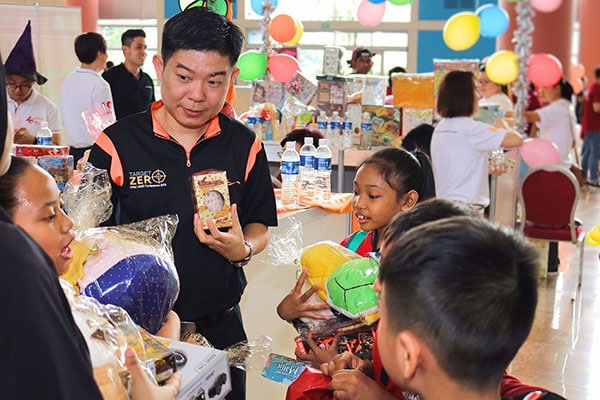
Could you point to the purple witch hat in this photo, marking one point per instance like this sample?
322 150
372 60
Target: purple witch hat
21 61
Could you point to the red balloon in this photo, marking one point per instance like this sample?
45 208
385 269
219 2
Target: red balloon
282 67
538 151
544 69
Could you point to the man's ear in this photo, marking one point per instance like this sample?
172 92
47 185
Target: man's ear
158 66
411 354
236 72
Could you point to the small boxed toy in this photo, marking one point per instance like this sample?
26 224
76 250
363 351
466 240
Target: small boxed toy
301 88
385 122
211 196
413 117
34 150
204 371
331 94
60 167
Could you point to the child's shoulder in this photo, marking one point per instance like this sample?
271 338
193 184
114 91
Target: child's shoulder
359 242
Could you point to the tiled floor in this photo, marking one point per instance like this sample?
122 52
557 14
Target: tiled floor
563 351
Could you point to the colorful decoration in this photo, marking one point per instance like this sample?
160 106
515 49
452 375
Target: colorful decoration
252 65
538 151
461 31
282 28
370 14
544 69
546 6
523 43
502 67
493 20
400 2
282 67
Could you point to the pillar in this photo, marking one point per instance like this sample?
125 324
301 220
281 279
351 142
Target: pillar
552 33
589 31
90 10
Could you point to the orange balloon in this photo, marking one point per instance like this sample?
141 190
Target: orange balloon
577 71
282 28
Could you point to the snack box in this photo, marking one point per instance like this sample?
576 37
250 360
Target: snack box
385 122
204 371
34 150
211 196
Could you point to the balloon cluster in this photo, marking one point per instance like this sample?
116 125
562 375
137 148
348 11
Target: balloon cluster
370 12
283 29
462 30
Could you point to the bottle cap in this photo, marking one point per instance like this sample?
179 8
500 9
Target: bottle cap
290 145
308 140
44 124
323 142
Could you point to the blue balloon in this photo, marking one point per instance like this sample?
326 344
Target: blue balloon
493 20
376 1
257 6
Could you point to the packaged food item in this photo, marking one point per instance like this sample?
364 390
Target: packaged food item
32 150
413 117
332 60
331 94
211 196
60 167
385 124
413 90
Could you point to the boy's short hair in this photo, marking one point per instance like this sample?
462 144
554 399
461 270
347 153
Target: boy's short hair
468 288
298 135
456 97
130 34
87 46
201 29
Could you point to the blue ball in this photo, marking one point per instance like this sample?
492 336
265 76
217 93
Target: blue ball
145 285
257 5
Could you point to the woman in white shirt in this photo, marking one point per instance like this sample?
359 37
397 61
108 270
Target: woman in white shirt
460 145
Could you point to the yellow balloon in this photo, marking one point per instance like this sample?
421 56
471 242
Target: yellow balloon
461 31
299 31
593 236
502 67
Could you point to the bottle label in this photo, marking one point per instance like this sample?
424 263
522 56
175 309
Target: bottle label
307 161
347 125
290 167
44 140
252 120
323 163
322 125
366 126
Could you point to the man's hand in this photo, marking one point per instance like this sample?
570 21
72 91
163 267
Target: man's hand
296 304
229 244
22 136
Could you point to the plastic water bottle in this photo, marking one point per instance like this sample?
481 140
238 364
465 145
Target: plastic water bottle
44 135
323 123
335 129
346 134
307 168
365 131
323 179
290 171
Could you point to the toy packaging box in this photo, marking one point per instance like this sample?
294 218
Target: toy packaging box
385 122
204 371
211 196
331 94
413 117
301 88
33 150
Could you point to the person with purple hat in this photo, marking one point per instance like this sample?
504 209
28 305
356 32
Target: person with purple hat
27 107
361 61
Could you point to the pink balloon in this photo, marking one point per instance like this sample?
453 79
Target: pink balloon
538 151
370 14
546 6
282 67
544 69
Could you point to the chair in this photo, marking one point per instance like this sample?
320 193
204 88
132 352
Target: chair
548 196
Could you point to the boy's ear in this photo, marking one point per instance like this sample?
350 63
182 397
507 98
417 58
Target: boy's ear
410 354
410 199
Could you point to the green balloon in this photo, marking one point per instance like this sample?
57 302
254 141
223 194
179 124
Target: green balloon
401 2
252 65
218 6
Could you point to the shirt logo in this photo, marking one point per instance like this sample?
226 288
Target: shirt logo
147 179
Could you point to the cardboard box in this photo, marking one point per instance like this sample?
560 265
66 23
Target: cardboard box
204 371
34 150
331 94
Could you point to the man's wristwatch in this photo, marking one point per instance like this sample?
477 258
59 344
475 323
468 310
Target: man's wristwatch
244 261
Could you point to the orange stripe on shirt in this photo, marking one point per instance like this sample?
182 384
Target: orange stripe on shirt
254 150
116 168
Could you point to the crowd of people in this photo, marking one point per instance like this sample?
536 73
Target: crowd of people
434 340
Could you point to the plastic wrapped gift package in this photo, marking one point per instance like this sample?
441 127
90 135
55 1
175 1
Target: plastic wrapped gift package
413 90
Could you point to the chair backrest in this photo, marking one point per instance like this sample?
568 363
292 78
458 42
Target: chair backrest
549 195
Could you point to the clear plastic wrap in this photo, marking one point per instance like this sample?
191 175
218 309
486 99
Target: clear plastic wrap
86 198
250 356
132 265
285 247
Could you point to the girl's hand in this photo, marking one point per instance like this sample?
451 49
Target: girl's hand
317 355
353 384
295 304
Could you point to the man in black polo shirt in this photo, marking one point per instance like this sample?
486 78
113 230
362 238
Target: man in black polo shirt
132 89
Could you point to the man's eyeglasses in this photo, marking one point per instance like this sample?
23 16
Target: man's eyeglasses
24 85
